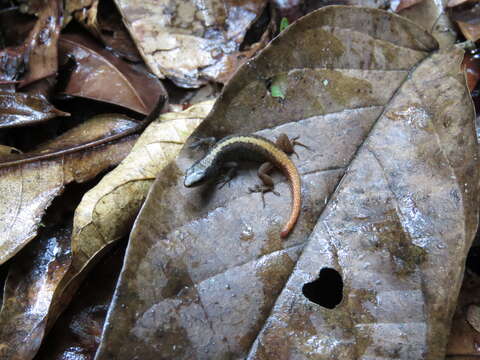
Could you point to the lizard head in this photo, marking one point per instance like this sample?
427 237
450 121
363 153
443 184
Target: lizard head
196 175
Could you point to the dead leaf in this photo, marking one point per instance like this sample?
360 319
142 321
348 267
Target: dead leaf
8 150
431 15
77 332
404 4
188 42
389 209
28 291
42 43
30 185
104 22
453 3
107 212
468 20
464 339
20 109
101 76
471 65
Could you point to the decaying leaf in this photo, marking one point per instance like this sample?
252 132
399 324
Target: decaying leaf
471 65
468 20
99 75
404 4
107 212
389 209
431 15
20 109
77 332
28 291
464 339
42 43
103 21
188 42
28 187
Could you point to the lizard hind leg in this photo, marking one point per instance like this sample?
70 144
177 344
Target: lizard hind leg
287 145
267 181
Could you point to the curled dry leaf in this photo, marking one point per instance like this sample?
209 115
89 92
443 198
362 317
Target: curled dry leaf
28 187
189 42
389 205
29 288
20 109
431 15
101 76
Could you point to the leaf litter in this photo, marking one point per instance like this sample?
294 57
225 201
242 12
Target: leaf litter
389 208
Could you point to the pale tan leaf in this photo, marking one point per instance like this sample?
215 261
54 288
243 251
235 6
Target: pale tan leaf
27 188
191 42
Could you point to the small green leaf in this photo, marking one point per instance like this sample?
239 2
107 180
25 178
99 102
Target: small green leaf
283 24
276 91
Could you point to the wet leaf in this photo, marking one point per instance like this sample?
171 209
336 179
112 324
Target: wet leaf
404 4
464 339
42 43
28 290
431 15
389 209
20 109
192 43
104 22
101 76
6 151
468 20
471 64
35 183
77 332
107 212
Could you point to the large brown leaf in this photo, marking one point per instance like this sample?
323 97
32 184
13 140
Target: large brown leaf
103 217
189 42
389 204
101 76
30 183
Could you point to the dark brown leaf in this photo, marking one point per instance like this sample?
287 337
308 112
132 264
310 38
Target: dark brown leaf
101 76
42 43
471 65
20 109
390 202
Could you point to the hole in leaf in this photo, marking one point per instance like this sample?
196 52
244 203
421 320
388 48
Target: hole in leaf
327 290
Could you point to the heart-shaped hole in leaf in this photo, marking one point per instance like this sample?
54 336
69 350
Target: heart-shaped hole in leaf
327 290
